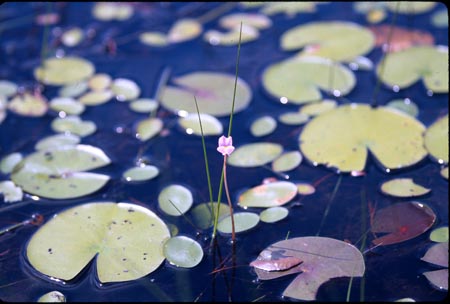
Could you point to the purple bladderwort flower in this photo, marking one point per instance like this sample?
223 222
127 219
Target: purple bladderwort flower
225 145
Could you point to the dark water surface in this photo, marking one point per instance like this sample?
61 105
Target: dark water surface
392 272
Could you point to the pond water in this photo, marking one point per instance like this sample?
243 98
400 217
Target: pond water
342 206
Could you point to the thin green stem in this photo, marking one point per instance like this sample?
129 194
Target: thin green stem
333 195
219 198
235 81
233 237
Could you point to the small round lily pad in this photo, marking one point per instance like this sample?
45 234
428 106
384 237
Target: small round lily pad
8 88
67 104
73 89
29 105
144 105
287 161
183 251
305 188
140 173
203 214
72 37
175 200
99 82
148 128
9 161
75 125
255 154
61 71
316 108
273 214
11 193
57 140
94 98
52 297
263 126
243 221
184 29
404 105
293 118
153 38
436 140
210 124
125 89
439 235
403 187
268 195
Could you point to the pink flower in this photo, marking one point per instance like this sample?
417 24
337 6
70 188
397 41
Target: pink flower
225 145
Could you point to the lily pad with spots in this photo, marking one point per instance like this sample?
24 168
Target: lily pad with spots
301 79
341 138
58 172
403 187
62 71
426 63
126 241
323 259
268 195
436 140
213 91
335 40
401 222
255 154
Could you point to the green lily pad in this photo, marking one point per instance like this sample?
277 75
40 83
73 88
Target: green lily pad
444 172
11 193
317 108
72 37
440 18
341 138
404 105
210 124
175 200
263 126
61 71
9 161
109 11
300 79
52 297
183 30
94 98
268 195
273 214
293 118
289 8
100 82
67 104
58 140
144 105
255 20
323 259
404 68
153 38
254 154
243 221
75 125
436 140
410 7
335 40
437 255
140 173
57 173
403 187
125 239
73 89
439 235
249 33
203 214
125 89
305 188
287 161
8 88
148 128
213 91
183 251
28 105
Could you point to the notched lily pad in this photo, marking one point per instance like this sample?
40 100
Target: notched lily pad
125 239
213 91
268 195
62 71
183 251
436 140
403 187
301 79
175 200
255 154
57 173
401 222
341 138
322 259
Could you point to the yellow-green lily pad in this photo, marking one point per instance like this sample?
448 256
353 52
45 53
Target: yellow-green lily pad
58 140
67 104
301 79
62 71
263 126
210 124
404 105
273 214
9 161
289 8
335 40
255 154
99 82
28 105
72 37
52 297
341 138
148 128
183 251
404 68
141 173
213 91
403 187
255 20
203 214
293 118
125 89
108 11
175 200
125 239
75 125
287 161
57 173
144 105
249 33
153 38
8 88
95 98
183 30
439 235
444 172
243 221
305 188
436 140
268 195
317 108
73 89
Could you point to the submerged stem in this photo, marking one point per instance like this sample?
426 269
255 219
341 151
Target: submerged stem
233 237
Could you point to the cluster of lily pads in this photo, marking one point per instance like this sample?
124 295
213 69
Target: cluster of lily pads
130 241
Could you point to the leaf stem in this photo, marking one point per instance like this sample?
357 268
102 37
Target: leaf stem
233 234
